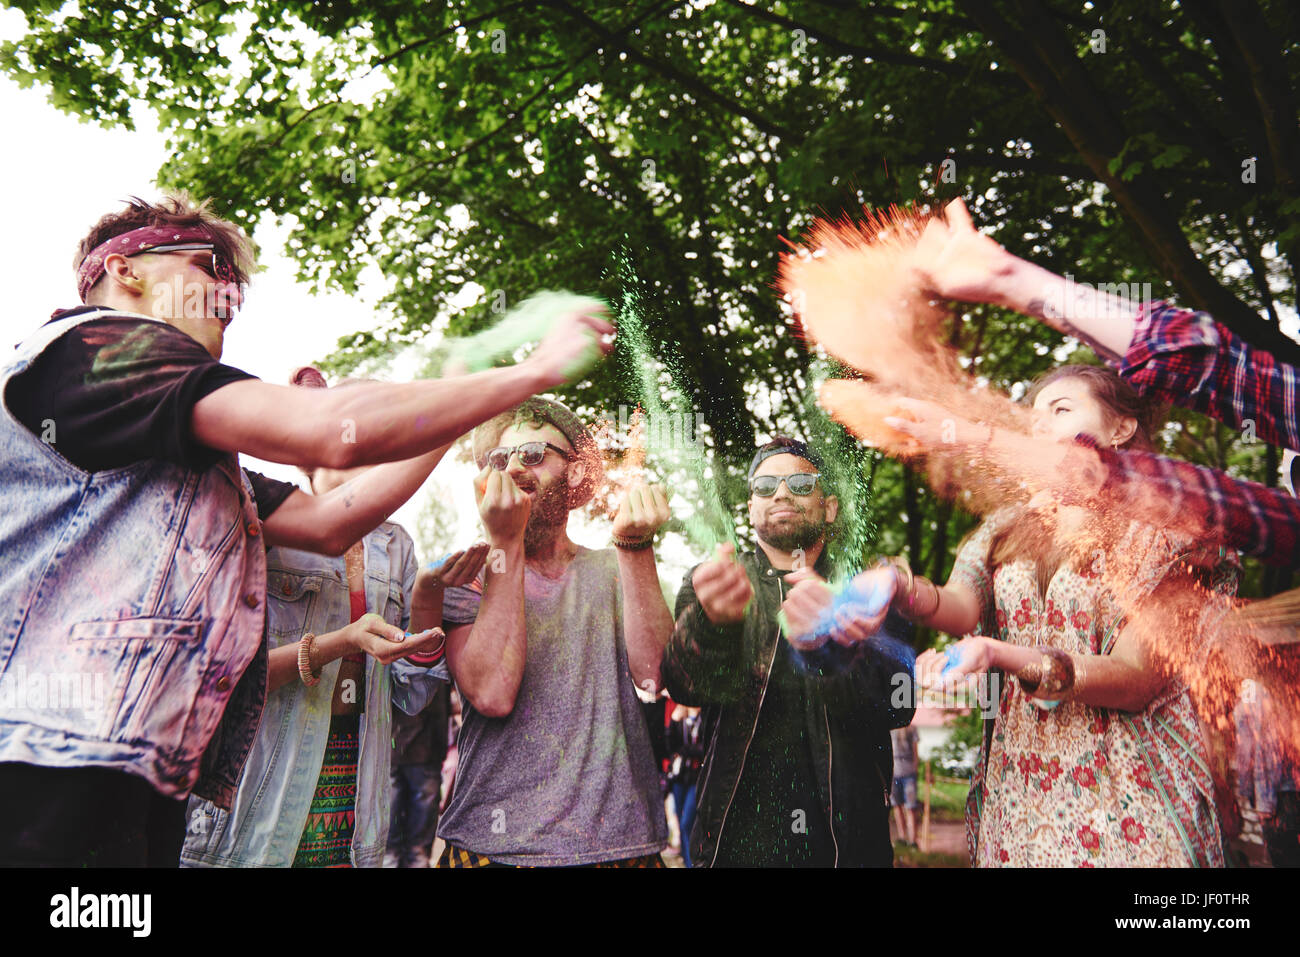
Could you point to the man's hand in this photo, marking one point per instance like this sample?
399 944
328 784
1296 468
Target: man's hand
641 512
458 568
953 261
722 588
853 616
503 506
386 643
572 346
803 608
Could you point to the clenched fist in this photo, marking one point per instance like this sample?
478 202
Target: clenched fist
722 588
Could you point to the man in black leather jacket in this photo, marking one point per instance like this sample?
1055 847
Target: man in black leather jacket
799 767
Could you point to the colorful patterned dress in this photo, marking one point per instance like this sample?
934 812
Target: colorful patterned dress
1079 786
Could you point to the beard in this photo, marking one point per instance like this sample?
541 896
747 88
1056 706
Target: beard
786 536
548 515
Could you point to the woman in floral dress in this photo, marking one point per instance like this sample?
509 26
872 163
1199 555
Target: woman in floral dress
1106 766
1117 775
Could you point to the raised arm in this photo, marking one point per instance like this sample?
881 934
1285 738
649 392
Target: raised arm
487 658
956 262
647 622
327 524
1187 358
1154 489
377 422
703 662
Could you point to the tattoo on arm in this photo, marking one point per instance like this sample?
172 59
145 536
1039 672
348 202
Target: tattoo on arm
1044 309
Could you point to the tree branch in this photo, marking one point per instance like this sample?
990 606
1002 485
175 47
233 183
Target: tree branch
1049 67
685 80
949 68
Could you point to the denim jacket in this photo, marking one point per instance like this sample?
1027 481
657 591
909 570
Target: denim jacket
308 592
133 604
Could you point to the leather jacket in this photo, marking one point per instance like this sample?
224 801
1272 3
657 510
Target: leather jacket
851 701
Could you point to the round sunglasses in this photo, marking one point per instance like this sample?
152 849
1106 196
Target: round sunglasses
800 483
530 454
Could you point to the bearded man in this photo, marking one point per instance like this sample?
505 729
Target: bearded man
555 765
798 770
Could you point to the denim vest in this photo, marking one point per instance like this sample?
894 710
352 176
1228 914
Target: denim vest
308 592
133 602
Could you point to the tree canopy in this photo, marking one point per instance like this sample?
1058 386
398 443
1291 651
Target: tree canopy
527 145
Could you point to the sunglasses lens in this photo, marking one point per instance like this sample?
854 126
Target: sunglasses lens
765 485
801 484
499 458
532 453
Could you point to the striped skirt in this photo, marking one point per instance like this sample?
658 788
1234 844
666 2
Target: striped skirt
327 839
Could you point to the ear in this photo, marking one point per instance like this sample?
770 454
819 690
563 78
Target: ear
832 508
1124 430
577 472
120 272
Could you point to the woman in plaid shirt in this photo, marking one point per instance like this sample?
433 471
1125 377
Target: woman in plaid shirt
1168 354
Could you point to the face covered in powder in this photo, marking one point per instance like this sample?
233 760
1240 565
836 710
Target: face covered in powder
787 521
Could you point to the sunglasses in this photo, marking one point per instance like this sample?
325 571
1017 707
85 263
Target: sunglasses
530 454
219 268
800 483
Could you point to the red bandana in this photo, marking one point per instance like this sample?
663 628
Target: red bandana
129 244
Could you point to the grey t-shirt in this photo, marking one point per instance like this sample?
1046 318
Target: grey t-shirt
568 776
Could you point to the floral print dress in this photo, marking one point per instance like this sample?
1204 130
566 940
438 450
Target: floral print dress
1079 786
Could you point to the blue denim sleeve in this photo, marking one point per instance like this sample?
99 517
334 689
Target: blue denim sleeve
414 687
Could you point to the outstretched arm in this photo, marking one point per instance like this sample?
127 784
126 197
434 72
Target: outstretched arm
374 422
327 524
956 262
1125 679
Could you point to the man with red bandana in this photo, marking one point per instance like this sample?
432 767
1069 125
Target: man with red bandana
133 546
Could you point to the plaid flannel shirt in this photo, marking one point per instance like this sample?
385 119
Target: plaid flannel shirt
1252 518
1188 359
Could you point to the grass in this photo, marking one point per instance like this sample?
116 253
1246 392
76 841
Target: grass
947 797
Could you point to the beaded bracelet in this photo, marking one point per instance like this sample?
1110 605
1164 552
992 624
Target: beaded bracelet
309 677
427 659
633 544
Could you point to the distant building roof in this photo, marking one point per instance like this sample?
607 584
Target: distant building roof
927 717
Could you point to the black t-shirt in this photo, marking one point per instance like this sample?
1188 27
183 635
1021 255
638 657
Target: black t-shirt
112 392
